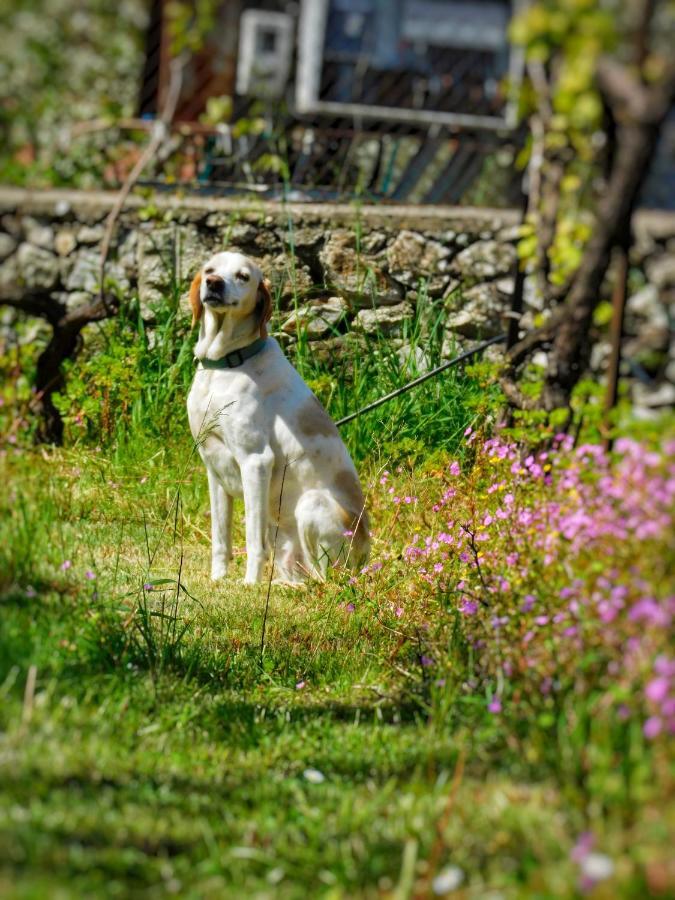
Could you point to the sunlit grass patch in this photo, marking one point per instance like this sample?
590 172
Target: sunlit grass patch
375 743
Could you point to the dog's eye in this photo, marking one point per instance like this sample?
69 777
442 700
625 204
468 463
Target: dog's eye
243 276
208 270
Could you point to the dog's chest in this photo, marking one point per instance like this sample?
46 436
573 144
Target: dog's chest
228 421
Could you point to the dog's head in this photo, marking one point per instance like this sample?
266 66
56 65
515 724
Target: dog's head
231 284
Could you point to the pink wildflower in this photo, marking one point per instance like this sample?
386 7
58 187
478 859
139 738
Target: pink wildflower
657 689
652 727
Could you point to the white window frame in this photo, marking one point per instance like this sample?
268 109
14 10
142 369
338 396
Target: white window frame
311 37
276 67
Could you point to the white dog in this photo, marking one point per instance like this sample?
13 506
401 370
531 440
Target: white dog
263 435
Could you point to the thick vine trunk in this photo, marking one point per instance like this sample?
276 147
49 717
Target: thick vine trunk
63 345
639 111
570 354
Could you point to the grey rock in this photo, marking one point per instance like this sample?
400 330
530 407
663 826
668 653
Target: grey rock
510 234
65 242
127 254
670 368
531 297
438 286
291 284
305 238
654 398
413 360
9 270
62 208
452 286
645 305
90 234
38 233
479 314
190 256
84 274
374 242
266 241
241 233
318 319
412 256
217 220
37 267
661 270
485 259
12 225
327 350
156 253
7 245
453 344
599 356
386 320
285 340
74 299
505 286
355 277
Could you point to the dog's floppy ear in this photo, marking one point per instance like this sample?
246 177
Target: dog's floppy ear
195 299
264 307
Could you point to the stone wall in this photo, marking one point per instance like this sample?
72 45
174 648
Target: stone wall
336 269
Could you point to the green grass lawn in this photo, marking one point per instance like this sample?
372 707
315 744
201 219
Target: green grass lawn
147 749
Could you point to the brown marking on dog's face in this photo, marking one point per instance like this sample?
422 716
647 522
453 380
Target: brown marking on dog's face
195 299
314 420
264 305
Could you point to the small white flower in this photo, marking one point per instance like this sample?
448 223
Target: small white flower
597 867
313 776
274 876
447 880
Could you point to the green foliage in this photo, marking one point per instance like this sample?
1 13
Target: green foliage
17 374
59 66
103 388
130 376
218 110
157 757
367 367
190 23
564 39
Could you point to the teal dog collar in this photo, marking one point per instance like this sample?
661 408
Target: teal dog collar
236 358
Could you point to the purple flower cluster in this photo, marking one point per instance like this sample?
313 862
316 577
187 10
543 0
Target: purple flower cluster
550 554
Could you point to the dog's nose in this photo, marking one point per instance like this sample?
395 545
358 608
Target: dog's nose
215 282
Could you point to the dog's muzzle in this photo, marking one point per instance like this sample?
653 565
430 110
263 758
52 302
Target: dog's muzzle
216 292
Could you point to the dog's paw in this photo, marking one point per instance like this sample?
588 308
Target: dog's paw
250 579
218 573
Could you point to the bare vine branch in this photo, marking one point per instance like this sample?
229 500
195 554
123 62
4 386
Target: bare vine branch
158 136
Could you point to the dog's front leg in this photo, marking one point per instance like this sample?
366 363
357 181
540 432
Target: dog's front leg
221 527
256 474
